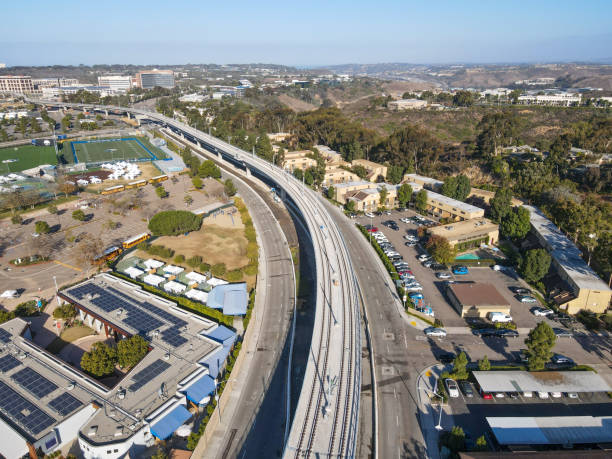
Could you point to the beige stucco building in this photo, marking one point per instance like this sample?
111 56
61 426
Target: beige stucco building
477 300
375 170
335 175
298 160
444 207
468 233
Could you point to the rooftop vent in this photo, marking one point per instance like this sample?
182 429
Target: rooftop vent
121 393
93 430
167 356
71 386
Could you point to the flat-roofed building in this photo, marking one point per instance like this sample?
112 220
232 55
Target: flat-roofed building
330 155
444 207
298 160
587 290
368 199
120 83
20 84
279 136
376 172
541 381
148 79
476 299
343 189
406 104
468 234
425 182
561 99
335 175
487 195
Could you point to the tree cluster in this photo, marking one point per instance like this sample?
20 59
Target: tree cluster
457 187
174 222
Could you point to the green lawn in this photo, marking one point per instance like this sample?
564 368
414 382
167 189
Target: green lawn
68 336
26 156
110 150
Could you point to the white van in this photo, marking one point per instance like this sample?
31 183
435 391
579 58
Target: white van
500 317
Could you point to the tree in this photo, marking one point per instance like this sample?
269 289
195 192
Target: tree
516 224
52 209
229 187
197 182
161 192
463 99
441 250
16 219
501 204
331 192
78 215
88 248
404 194
298 174
42 227
454 440
497 130
420 201
360 171
456 187
263 147
534 266
130 351
539 343
383 193
209 169
481 444
484 364
179 259
100 361
188 199
65 311
350 205
34 125
460 366
4 137
395 174
174 222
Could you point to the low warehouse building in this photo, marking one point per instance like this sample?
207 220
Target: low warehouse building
477 300
540 381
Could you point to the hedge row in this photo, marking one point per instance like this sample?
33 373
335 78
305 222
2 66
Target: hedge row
158 250
184 303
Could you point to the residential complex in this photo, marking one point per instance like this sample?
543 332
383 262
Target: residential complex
442 206
468 233
585 289
298 160
376 172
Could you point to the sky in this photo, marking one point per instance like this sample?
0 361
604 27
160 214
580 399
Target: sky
304 33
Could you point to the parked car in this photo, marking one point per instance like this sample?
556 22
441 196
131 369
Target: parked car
507 333
428 263
500 317
542 395
446 357
372 229
437 332
542 312
561 359
369 214
571 395
460 269
486 395
562 333
556 394
438 267
416 288
484 332
452 388
416 296
500 395
521 291
527 299
513 395
467 389
528 394
410 244
443 275
423 257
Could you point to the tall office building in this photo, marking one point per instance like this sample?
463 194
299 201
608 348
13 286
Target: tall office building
148 79
19 84
115 82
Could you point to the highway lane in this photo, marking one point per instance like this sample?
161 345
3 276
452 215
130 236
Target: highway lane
398 355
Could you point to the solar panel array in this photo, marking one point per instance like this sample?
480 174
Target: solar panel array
33 382
64 404
5 336
8 362
142 316
22 411
147 374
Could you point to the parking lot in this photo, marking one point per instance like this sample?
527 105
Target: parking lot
470 413
434 288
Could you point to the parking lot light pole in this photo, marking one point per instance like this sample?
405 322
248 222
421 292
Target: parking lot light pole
56 291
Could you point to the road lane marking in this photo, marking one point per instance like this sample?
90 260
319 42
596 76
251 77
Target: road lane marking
67 265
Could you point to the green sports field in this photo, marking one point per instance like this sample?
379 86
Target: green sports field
110 150
26 156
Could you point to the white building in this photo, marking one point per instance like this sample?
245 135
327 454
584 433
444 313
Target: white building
562 99
119 83
407 104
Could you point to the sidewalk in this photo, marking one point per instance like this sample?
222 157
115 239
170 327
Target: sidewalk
429 415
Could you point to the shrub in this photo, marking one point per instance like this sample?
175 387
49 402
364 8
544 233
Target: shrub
234 275
194 261
158 250
16 220
100 361
250 270
484 364
42 227
27 309
174 222
218 269
179 258
78 215
161 192
197 182
5 316
204 267
65 311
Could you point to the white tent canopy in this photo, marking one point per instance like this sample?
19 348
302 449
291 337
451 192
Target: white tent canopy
213 282
153 264
171 269
153 280
196 277
197 295
174 287
134 272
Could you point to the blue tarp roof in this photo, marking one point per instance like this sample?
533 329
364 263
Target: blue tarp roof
201 389
222 334
167 425
232 298
215 360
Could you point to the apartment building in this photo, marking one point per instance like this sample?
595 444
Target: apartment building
298 160
444 207
376 172
369 199
425 182
330 155
20 84
468 234
335 175
562 99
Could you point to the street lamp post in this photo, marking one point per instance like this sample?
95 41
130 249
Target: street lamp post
56 290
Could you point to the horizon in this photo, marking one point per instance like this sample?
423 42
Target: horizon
319 35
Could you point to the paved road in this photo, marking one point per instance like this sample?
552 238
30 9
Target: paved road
396 367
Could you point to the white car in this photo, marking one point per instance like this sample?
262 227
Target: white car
452 388
542 394
500 317
434 331
369 215
528 394
423 257
556 394
542 312
443 275
572 395
416 288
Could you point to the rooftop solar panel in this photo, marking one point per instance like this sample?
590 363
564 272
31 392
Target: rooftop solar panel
65 404
5 336
147 374
22 411
33 382
8 362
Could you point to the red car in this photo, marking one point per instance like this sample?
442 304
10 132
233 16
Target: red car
486 395
373 230
401 273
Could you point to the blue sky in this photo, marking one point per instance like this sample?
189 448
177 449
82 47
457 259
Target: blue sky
36 32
